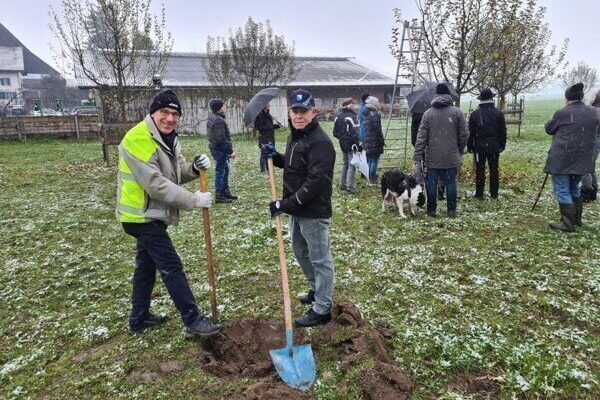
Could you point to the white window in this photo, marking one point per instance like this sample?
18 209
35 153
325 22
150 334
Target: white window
4 81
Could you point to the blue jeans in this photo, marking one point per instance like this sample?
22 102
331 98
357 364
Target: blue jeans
372 161
221 170
448 176
154 250
312 248
566 187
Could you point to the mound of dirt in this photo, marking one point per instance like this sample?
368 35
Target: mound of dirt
242 351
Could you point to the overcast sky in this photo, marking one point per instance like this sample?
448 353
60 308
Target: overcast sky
350 28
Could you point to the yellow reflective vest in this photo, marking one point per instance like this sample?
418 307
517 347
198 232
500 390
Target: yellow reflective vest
149 177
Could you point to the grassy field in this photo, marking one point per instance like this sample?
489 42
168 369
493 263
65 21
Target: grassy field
493 294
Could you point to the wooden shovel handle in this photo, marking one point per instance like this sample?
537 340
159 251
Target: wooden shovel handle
287 308
209 258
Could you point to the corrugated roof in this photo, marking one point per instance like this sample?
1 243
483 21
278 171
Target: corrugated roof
32 63
187 70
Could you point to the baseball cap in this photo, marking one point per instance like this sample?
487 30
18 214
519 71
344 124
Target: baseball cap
301 98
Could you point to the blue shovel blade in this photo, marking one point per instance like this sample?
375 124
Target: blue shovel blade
296 367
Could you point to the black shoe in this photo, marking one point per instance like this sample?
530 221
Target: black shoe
228 194
148 322
221 198
432 214
307 298
202 326
312 318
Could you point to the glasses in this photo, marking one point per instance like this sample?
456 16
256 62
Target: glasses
166 112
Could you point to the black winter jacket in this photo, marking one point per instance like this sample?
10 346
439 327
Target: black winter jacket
265 127
345 129
218 134
374 141
487 130
307 172
574 129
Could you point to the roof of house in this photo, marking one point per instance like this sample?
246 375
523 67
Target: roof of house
32 63
187 70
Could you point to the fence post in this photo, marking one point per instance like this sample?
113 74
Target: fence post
19 128
77 126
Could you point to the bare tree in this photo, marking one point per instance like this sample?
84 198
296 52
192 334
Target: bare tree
116 44
520 55
454 30
582 72
250 58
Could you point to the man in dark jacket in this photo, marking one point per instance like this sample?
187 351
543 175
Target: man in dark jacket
440 143
487 139
307 185
266 134
589 182
374 140
221 148
345 130
574 129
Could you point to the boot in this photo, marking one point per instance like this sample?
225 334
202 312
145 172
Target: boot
202 326
150 321
228 194
222 198
578 202
312 318
567 224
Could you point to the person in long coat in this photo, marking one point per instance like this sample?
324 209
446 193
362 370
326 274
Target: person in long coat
487 139
573 129
589 182
374 141
266 134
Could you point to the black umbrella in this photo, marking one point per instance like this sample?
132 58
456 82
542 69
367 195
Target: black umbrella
258 103
419 100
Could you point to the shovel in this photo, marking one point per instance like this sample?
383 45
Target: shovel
295 364
209 259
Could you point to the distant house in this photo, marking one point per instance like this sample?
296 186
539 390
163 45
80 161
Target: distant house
328 78
20 69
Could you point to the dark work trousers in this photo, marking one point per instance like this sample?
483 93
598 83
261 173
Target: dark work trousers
492 161
154 250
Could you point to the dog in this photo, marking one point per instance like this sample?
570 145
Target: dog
397 187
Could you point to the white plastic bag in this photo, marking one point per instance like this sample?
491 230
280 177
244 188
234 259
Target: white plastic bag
359 160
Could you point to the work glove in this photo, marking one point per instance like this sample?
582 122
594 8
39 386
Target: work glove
201 161
275 208
268 150
203 199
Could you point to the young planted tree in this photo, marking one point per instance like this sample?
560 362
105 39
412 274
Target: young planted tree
115 44
582 72
249 59
519 55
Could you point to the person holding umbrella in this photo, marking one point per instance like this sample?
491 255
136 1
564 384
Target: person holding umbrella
487 139
266 134
307 187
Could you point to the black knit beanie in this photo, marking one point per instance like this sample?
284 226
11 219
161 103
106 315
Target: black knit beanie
215 105
442 88
166 98
574 92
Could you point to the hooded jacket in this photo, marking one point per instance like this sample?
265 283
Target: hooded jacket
345 129
149 177
442 135
374 142
307 172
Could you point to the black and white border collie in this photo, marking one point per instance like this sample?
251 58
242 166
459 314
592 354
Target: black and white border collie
396 187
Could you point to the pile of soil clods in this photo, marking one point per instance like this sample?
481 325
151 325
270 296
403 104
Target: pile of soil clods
359 342
242 349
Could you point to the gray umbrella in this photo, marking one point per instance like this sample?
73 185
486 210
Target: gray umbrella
419 100
259 102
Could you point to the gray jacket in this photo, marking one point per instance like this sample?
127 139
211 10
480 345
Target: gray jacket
574 129
442 135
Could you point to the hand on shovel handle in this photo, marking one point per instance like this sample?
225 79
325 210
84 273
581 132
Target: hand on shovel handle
209 258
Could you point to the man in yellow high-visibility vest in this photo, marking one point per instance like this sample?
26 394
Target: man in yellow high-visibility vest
149 196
